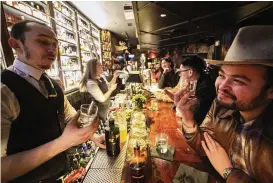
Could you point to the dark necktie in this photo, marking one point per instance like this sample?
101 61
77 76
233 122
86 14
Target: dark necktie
49 86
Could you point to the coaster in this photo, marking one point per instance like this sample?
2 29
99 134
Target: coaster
187 174
166 156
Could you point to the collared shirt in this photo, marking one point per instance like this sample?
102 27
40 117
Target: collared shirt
248 144
237 152
10 107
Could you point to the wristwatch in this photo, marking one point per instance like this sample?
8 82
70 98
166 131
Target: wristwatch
227 172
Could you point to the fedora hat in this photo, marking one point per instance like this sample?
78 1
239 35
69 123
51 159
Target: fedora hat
252 45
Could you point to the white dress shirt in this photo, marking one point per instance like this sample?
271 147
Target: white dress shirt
95 91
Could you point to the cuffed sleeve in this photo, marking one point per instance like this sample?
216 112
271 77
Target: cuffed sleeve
238 175
206 126
69 111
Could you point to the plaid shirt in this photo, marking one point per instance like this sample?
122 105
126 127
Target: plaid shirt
238 149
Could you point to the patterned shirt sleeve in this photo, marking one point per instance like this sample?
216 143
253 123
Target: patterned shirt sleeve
10 109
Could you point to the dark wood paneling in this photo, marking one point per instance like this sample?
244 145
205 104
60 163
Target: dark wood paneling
184 18
150 19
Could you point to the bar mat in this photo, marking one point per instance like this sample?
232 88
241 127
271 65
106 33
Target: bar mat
102 160
103 176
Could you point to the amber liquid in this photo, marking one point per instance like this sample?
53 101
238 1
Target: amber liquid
137 166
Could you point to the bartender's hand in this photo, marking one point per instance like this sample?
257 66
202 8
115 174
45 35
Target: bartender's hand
216 154
72 135
185 106
99 140
116 73
113 87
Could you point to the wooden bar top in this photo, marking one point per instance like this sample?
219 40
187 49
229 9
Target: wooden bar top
163 171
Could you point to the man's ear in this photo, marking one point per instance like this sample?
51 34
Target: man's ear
190 72
15 44
270 92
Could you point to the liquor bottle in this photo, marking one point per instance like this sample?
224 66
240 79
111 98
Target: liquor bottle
137 164
86 150
112 138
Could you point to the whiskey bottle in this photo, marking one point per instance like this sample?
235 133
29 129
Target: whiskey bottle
137 164
112 138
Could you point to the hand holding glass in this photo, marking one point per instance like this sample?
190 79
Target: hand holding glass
192 88
88 114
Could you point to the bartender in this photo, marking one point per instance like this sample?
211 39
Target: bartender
97 85
32 108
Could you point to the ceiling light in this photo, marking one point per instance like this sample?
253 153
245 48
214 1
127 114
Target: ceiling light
163 15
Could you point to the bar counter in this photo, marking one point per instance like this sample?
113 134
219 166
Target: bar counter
105 169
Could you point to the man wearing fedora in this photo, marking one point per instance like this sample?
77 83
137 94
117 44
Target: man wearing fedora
237 133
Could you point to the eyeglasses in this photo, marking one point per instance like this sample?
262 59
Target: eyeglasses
184 70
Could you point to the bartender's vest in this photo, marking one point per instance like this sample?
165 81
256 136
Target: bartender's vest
37 123
104 106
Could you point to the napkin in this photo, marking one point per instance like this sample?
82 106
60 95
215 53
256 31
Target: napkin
186 174
166 156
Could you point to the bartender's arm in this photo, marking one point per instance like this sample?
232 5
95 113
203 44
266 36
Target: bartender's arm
96 92
10 169
69 112
114 79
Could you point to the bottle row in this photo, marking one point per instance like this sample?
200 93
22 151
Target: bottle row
61 20
105 36
30 8
62 8
86 57
106 47
67 49
72 78
82 23
106 55
79 158
83 33
65 35
70 63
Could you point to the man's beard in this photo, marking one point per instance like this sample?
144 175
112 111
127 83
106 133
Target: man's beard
256 102
27 56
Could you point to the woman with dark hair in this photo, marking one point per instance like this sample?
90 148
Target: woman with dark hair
169 78
94 82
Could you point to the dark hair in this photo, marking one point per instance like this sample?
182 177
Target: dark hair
167 59
19 28
194 62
